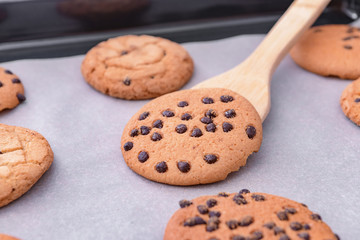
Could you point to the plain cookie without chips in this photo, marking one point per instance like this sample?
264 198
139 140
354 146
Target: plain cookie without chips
192 136
25 155
6 237
329 50
246 216
137 67
350 101
11 90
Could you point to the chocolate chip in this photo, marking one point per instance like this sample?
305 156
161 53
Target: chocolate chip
239 199
156 137
181 128
337 237
127 81
304 235
210 113
257 235
202 209
128 146
290 210
210 158
284 237
213 224
211 127
214 214
196 133
306 226
349 38
230 113
186 117
348 47
246 221
16 80
317 30
315 217
208 100
134 133
227 127
211 202
1 152
158 124
238 237
1 84
124 52
232 224
20 97
144 115
278 230
269 225
226 98
183 166
303 204
185 203
144 130
357 100
194 221
183 104
143 156
258 197
350 30
168 113
223 194
244 191
251 131
206 120
161 167
282 216
8 72
296 226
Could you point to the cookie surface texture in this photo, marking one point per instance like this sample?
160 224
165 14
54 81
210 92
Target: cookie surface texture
6 237
192 136
246 216
25 156
350 101
137 67
11 90
329 50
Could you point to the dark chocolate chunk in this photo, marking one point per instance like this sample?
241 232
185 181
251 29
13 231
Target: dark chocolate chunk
124 52
284 237
315 217
212 224
127 81
230 113
304 235
296 226
186 117
214 214
20 97
251 131
257 235
8 72
206 120
211 202
232 224
161 167
348 47
185 203
357 100
144 115
194 221
143 156
183 166
16 81
290 210
306 226
350 37
211 127
158 124
210 158
226 98
269 225
246 221
239 199
134 133
183 104
196 133
1 84
156 137
223 194
202 209
181 128
303 204
1 152
168 113
144 130
337 237
278 230
258 197
207 100
238 237
128 146
210 113
282 216
227 127
244 191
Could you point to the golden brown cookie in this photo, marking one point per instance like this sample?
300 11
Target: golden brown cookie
329 50
246 216
25 156
350 101
192 136
6 237
137 67
11 90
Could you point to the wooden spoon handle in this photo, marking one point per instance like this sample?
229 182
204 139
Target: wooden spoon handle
294 22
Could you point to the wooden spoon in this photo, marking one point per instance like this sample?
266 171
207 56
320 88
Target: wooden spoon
251 78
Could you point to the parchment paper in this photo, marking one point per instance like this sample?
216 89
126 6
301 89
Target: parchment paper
310 152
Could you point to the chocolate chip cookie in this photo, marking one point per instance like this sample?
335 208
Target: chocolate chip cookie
11 90
350 101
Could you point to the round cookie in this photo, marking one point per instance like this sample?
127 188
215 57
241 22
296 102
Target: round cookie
11 90
137 67
25 156
350 101
329 50
6 237
246 216
192 136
